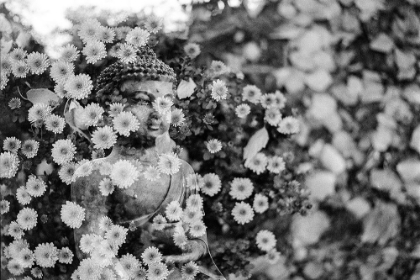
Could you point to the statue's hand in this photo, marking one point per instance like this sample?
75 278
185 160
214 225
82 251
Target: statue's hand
193 250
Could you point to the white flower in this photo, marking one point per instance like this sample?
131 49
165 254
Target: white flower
273 256
189 270
82 169
11 144
89 30
219 90
268 100
20 69
157 271
173 211
60 90
27 218
106 34
115 109
116 235
26 258
18 54
65 255
88 242
137 37
46 255
197 228
152 173
169 163
279 99
89 269
15 230
180 239
39 111
9 164
61 71
36 272
55 123
105 223
125 123
276 164
15 267
23 196
72 214
214 146
14 103
66 173
124 174
69 53
260 203
5 64
273 116
257 163
192 50
4 206
251 93
242 213
194 181
177 117
63 151
94 51
92 114
106 187
78 86
242 110
195 202
30 148
127 53
130 264
218 68
153 24
241 188
37 62
288 125
159 222
191 215
211 184
4 79
265 240
151 255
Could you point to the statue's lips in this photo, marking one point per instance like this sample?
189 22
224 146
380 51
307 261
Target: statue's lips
154 122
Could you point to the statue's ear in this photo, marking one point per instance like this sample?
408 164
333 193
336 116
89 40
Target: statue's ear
164 143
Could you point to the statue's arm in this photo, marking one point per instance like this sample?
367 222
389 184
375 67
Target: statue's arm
85 192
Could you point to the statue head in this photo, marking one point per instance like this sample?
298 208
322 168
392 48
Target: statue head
139 84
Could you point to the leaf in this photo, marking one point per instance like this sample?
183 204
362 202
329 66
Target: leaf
185 88
257 142
69 114
41 95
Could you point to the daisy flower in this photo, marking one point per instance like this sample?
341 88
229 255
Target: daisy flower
242 110
72 214
241 188
251 93
257 163
192 50
36 272
242 213
214 146
197 228
61 70
106 34
39 111
16 247
78 86
18 54
265 240
6 64
173 211
126 53
191 215
273 256
125 123
37 62
272 116
14 103
69 53
60 90
104 138
55 123
66 173
4 79
82 169
276 164
162 104
268 100
94 51
218 90
9 164
63 151
159 222
177 117
218 68
105 223
130 264
20 69
152 173
124 174
157 271
115 109
27 218
169 163
189 270
4 206
121 32
279 99
211 184
30 148
11 144
65 255
89 270
87 243
26 258
137 37
180 239
46 255
139 274
89 30
260 204
23 196
92 114
195 202
106 187
116 235
153 24
15 267
289 125
194 181
15 230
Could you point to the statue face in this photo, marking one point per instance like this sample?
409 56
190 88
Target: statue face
151 122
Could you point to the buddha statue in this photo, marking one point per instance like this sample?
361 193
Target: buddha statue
135 207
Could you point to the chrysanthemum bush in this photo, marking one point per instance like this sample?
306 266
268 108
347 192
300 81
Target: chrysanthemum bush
234 135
